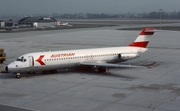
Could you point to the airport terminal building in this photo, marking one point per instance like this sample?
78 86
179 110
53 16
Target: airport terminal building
37 22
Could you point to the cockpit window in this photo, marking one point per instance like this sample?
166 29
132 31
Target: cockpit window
21 59
18 59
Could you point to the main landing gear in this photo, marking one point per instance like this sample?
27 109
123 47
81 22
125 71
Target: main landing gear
103 70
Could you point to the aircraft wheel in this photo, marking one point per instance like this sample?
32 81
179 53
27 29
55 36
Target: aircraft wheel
101 69
18 76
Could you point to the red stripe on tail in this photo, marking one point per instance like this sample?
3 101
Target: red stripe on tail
145 31
139 44
143 39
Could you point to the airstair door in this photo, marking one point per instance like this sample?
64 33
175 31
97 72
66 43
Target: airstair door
31 61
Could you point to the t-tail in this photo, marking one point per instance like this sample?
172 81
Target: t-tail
143 38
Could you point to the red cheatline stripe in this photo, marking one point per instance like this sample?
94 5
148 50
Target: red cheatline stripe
139 44
147 33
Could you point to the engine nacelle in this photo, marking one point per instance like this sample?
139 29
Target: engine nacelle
127 56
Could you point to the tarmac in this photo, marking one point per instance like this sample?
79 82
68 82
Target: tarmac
153 89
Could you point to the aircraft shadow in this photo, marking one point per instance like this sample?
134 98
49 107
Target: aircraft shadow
106 74
65 71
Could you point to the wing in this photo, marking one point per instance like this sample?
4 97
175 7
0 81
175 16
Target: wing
105 64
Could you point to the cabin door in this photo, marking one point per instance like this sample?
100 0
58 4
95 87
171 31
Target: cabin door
31 61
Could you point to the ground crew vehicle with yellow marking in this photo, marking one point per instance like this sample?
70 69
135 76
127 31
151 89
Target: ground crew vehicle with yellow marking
2 55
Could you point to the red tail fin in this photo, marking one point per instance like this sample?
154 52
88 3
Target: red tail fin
143 38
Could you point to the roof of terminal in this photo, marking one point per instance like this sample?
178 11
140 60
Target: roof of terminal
37 19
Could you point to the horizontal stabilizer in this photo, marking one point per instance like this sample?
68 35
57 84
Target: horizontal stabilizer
160 31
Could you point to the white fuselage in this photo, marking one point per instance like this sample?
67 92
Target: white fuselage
42 61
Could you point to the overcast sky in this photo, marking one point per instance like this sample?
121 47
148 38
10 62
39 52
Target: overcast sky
86 6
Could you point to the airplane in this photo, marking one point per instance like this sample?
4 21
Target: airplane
100 58
66 24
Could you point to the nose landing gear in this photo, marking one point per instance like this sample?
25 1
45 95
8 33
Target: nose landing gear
18 75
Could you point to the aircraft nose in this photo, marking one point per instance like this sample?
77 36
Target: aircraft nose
10 67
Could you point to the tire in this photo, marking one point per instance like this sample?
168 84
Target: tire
18 76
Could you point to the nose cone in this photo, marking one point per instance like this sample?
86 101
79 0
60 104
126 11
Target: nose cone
11 67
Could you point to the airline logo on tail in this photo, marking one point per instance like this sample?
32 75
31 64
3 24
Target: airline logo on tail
143 38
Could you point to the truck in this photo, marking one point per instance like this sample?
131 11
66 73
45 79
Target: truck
2 55
9 26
